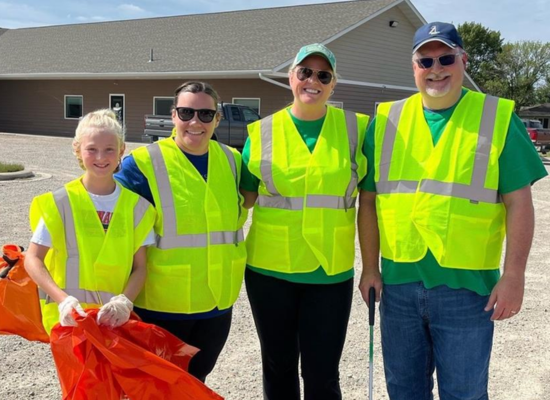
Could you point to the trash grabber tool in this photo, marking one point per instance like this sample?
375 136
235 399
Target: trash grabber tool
372 305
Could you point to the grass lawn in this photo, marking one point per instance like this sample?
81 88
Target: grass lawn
9 167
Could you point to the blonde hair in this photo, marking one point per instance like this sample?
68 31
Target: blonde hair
104 119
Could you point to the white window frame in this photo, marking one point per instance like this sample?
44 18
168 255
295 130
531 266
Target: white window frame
337 104
161 97
249 98
65 106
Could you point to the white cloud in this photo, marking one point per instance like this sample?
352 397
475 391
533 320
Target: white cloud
94 18
21 15
131 8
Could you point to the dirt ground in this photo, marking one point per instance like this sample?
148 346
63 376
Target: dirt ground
519 368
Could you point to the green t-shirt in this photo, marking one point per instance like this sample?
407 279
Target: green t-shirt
514 174
309 131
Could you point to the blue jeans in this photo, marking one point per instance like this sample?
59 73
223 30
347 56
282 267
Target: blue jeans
439 329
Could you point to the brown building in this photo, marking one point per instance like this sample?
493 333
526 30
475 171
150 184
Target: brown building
51 76
540 112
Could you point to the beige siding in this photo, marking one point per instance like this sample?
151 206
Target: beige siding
469 84
362 99
376 53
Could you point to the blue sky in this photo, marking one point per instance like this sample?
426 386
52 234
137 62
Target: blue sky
515 19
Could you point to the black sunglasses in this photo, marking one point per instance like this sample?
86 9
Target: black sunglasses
303 73
205 114
444 60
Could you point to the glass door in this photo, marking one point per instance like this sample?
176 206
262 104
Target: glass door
116 103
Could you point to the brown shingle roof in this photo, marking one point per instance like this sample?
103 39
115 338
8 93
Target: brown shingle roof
230 41
535 111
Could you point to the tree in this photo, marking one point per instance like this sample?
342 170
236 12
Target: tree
543 91
522 69
483 46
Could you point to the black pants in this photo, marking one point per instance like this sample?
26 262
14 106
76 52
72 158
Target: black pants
209 335
300 320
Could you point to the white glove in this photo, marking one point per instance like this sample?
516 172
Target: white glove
65 311
116 312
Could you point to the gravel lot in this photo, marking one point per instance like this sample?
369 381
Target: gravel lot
519 368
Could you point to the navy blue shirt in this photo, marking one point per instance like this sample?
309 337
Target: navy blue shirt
132 178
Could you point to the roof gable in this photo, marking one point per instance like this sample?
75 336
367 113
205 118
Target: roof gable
544 108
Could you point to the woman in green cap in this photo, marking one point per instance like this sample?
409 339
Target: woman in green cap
301 167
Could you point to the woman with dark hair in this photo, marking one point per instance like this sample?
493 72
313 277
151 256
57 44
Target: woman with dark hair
301 167
196 269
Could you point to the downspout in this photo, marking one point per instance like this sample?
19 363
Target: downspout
272 81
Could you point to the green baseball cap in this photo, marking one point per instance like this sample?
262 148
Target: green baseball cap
315 48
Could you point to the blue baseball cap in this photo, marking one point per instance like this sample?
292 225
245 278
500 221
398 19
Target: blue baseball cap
437 31
318 49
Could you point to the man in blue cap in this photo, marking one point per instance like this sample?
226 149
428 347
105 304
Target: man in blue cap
450 177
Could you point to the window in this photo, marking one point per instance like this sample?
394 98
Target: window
73 106
544 122
249 115
253 103
162 105
235 114
337 104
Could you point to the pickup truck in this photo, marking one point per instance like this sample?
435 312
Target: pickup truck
539 136
231 130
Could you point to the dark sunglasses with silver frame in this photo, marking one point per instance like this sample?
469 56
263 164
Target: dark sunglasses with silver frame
206 115
445 60
303 73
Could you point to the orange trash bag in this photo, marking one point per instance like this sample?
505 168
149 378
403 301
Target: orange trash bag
138 360
19 305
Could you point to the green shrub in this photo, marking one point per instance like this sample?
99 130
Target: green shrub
10 167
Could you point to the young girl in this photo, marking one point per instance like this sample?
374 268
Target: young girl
88 247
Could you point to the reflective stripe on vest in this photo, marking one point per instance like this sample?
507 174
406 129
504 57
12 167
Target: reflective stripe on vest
475 191
171 239
233 164
276 200
72 266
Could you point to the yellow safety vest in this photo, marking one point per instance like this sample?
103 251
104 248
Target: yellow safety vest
442 197
200 257
84 260
305 213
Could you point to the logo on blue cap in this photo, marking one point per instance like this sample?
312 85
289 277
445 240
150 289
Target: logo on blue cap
437 31
434 31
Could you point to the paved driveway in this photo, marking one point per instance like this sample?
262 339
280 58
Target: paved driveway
519 368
